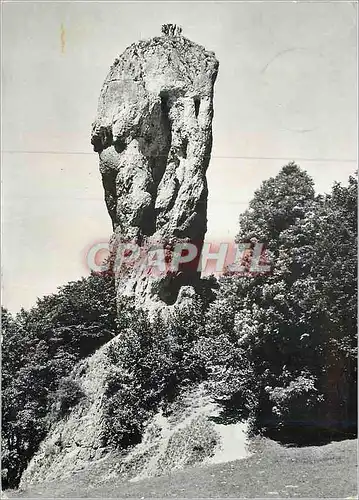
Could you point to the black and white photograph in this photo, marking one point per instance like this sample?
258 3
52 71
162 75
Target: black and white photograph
179 249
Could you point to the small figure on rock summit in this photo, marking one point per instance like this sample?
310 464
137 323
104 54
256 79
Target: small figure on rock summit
171 30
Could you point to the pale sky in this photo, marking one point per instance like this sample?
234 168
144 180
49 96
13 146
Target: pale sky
286 90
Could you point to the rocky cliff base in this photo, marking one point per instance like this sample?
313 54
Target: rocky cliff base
183 435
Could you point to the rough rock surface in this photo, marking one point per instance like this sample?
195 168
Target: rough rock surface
153 133
75 441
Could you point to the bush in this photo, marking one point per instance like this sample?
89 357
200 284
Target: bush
294 404
152 362
68 394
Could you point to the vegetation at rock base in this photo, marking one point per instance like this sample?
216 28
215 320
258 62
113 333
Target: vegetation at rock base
282 347
39 349
277 349
153 362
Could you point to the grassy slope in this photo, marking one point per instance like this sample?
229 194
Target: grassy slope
272 471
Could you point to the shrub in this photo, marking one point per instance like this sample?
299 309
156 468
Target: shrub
68 394
153 361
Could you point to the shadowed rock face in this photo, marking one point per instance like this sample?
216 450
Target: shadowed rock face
153 133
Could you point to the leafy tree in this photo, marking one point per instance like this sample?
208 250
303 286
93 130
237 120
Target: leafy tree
276 205
327 243
39 348
271 340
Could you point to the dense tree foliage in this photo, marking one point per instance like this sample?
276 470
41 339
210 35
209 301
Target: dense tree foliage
283 346
39 349
278 204
153 362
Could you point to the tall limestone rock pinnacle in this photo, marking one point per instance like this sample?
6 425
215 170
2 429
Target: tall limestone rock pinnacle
153 134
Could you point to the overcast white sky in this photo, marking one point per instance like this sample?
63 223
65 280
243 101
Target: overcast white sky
286 90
